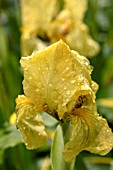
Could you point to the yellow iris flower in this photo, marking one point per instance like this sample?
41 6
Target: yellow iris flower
58 81
51 20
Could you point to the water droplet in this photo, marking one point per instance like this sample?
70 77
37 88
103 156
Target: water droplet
81 78
67 100
30 78
86 63
63 79
86 86
37 90
38 68
45 105
72 81
66 60
65 88
67 68
63 104
50 85
68 92
56 101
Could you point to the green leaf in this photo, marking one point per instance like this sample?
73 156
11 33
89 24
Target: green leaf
3 46
49 120
80 164
58 162
9 137
1 156
105 102
98 163
107 73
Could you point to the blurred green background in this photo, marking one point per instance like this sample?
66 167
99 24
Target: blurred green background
13 154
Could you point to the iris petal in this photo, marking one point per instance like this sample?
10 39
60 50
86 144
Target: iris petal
54 76
30 123
89 132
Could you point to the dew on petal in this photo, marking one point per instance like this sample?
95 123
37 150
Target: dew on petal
67 68
37 90
63 79
66 60
73 81
68 92
30 78
50 85
56 101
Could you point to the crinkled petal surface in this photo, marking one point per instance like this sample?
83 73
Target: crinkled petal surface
89 132
30 123
56 76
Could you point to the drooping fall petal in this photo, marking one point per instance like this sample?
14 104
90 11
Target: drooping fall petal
89 132
30 123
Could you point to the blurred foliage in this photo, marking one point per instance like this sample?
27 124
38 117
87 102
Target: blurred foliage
99 18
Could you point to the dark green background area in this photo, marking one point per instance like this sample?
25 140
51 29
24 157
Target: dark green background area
14 156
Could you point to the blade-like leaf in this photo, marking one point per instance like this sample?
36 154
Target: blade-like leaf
9 137
58 162
106 102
